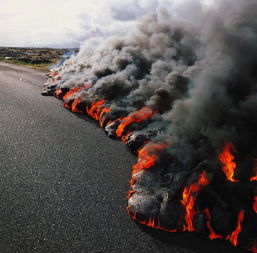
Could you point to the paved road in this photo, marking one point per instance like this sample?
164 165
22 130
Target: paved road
63 182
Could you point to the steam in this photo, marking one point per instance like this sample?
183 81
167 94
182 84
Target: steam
197 73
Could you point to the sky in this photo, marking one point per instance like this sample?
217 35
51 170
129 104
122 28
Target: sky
68 23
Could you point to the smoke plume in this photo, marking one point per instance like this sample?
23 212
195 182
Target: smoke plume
181 92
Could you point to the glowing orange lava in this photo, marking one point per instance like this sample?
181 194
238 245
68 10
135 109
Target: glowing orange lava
74 106
188 200
131 183
227 159
253 247
233 238
102 118
147 156
138 116
212 234
254 177
72 92
58 93
95 109
255 204
153 222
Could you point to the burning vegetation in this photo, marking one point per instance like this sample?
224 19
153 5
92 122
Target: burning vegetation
182 96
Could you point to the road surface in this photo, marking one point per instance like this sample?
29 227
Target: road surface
63 182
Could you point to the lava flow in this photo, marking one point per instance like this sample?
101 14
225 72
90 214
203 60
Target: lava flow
233 238
212 234
95 109
255 204
153 222
254 177
227 159
184 80
189 197
58 93
138 116
73 91
147 156
75 104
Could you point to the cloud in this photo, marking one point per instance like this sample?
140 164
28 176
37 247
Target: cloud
68 23
132 10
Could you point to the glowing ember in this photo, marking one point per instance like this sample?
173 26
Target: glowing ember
138 116
131 183
212 234
72 92
74 106
95 109
254 177
153 222
147 156
227 159
254 247
58 93
255 204
233 238
189 197
102 118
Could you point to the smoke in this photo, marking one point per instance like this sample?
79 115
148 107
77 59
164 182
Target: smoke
196 73
66 24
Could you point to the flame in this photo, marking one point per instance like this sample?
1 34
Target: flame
227 159
188 200
212 234
254 177
138 116
233 238
147 156
69 94
255 204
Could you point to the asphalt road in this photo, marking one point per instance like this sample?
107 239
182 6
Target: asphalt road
63 182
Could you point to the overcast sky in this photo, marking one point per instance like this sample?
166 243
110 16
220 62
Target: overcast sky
67 23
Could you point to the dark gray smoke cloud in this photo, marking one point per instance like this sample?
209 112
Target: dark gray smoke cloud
198 72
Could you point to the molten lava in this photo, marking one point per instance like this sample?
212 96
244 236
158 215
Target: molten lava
147 156
189 197
69 94
102 118
227 159
254 177
95 109
138 116
233 238
58 93
74 106
212 234
253 247
255 204
153 222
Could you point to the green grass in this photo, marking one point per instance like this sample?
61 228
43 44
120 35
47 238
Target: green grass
43 66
